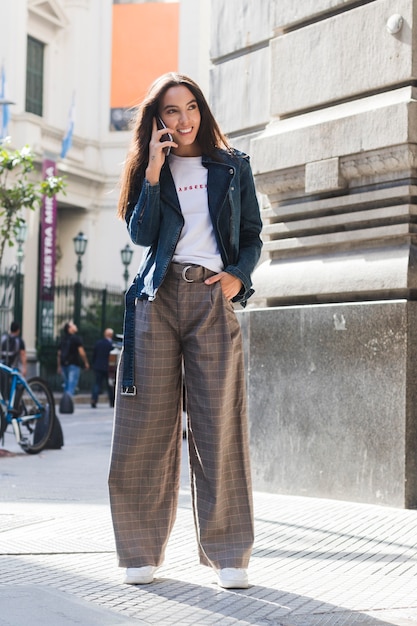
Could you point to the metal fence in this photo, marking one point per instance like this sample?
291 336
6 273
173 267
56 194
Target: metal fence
93 309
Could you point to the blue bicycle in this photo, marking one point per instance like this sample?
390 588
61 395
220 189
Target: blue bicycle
29 406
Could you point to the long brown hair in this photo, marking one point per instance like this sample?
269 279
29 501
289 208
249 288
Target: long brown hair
209 135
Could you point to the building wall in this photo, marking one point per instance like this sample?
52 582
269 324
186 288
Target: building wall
78 62
321 94
240 75
195 37
137 54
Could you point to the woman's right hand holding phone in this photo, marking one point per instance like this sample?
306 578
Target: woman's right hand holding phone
157 153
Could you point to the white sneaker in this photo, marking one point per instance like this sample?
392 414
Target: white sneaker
233 578
139 575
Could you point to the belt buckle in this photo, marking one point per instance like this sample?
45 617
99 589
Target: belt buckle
184 274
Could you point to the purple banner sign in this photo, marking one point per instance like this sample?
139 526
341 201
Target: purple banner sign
47 255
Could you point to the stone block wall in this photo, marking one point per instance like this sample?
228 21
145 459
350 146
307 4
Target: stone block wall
331 394
322 95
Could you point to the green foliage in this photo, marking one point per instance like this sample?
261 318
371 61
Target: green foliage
18 192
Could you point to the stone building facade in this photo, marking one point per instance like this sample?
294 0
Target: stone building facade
322 94
75 37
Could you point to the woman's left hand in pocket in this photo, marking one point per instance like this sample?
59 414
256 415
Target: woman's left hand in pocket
231 285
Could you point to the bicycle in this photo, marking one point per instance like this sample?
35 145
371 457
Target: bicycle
28 406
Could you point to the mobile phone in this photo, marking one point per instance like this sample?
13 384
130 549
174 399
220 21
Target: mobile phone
166 137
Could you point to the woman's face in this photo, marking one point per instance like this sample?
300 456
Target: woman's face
179 112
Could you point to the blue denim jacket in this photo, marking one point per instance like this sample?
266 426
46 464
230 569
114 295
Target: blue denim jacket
156 222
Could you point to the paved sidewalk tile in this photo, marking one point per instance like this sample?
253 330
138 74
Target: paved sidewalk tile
315 562
54 608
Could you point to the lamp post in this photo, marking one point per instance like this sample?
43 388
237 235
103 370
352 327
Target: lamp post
126 255
80 245
20 239
18 294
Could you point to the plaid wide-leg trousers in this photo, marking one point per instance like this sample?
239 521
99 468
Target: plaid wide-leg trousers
188 324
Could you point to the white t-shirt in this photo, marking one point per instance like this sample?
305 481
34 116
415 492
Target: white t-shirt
197 243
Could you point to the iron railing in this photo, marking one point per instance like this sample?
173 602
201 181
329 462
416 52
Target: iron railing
93 309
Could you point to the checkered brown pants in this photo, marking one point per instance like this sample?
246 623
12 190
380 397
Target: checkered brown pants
193 324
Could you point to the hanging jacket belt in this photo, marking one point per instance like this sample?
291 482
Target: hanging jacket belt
128 386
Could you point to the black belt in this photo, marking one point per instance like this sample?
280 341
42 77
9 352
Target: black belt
190 273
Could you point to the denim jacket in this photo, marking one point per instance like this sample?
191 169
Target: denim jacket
156 221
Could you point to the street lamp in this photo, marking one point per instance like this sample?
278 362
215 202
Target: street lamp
20 239
126 255
80 244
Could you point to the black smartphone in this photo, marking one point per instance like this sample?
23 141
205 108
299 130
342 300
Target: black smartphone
167 137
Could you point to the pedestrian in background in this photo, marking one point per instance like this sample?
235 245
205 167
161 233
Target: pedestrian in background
13 354
70 355
13 349
190 199
100 365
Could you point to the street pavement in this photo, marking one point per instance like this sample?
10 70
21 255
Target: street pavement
315 562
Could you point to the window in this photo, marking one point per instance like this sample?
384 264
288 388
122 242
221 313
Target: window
34 76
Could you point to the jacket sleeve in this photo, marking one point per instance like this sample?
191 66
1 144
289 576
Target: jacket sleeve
250 226
143 221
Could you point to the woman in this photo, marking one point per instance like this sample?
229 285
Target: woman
196 212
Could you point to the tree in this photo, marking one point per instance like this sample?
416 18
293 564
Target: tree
17 192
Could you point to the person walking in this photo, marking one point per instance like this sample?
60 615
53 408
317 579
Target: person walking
189 198
100 365
13 349
13 354
70 354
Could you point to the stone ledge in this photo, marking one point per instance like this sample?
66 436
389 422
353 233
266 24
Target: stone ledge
337 275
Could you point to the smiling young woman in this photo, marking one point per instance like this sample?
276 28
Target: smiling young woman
196 213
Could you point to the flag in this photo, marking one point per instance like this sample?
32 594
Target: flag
4 108
67 141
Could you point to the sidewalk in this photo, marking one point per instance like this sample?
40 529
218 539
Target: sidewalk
315 563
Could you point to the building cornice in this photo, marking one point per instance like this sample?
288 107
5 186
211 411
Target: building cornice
51 11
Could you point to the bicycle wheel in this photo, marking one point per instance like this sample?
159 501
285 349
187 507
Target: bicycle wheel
35 432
